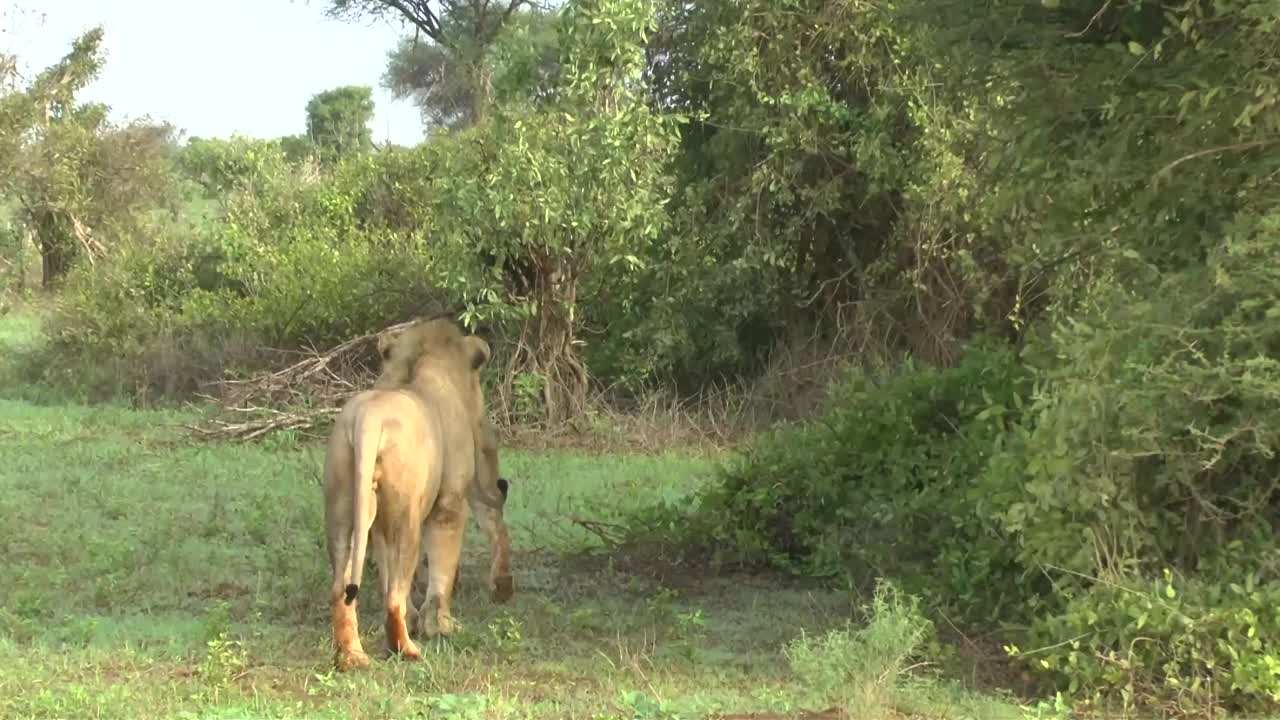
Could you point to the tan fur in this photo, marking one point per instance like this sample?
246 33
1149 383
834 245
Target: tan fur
485 497
401 460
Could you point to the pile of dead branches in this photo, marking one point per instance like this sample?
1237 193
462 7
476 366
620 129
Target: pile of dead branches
300 397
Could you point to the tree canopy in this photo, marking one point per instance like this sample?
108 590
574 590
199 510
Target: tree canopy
338 121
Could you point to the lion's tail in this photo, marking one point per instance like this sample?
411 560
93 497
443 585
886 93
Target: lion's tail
366 442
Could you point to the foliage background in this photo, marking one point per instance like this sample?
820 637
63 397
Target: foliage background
1007 266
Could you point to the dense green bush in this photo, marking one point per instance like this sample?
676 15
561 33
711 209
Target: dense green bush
1144 450
884 483
1064 488
1185 644
290 262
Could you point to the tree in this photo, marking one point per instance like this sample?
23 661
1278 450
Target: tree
338 121
78 178
521 63
566 197
463 29
297 148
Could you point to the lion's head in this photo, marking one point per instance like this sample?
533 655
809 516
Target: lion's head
435 348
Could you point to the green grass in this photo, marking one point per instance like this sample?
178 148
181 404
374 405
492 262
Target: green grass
149 576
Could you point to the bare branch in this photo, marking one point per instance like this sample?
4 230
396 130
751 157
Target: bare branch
268 402
1237 147
1101 11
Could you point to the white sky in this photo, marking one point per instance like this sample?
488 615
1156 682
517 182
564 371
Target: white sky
214 67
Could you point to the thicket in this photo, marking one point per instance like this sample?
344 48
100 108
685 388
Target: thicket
1108 481
638 195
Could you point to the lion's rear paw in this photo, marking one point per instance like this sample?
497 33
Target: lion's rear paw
503 588
438 625
350 660
407 651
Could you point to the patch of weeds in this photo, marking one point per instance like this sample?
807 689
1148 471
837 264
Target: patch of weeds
1057 709
506 635
80 632
860 667
323 684
689 633
588 619
458 707
225 658
636 705
15 627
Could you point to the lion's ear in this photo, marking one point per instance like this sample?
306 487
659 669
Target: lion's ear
385 342
478 350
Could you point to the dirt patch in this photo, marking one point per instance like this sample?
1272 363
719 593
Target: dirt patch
684 571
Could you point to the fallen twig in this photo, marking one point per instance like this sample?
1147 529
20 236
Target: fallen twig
610 533
298 397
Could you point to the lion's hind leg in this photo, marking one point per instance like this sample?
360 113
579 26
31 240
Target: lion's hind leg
444 530
490 520
397 564
349 653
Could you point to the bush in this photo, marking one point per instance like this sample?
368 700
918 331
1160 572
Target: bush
132 326
883 483
860 667
1188 645
291 263
1065 489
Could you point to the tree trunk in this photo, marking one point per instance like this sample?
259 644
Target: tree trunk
57 249
481 87
547 349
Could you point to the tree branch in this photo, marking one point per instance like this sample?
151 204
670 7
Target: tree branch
1237 147
511 7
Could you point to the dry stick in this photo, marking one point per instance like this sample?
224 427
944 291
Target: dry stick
610 533
254 397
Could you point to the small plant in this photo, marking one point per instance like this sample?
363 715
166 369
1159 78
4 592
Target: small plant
859 667
529 390
1058 709
507 635
637 705
225 658
689 632
458 707
324 683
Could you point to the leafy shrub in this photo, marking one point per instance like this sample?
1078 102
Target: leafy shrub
126 326
290 263
1186 644
1151 451
1154 441
860 666
1146 446
883 482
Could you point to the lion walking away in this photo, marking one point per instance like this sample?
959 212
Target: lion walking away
488 493
400 462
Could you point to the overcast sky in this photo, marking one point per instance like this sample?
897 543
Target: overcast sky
214 67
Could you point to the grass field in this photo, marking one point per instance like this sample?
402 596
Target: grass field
151 576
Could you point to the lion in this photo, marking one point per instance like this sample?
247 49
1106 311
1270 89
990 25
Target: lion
400 461
487 496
